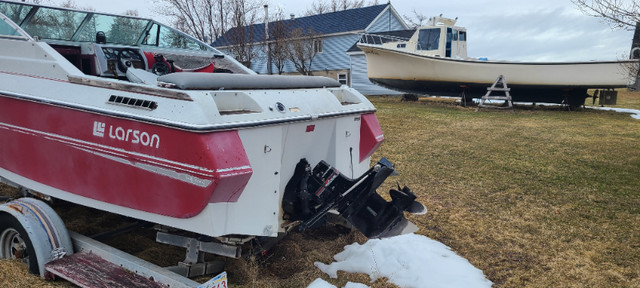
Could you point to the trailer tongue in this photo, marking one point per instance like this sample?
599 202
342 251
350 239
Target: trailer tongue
311 194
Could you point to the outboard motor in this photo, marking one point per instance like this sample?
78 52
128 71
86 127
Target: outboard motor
311 194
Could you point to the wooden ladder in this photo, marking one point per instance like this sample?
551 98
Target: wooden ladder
494 87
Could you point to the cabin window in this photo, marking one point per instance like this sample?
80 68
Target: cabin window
455 35
448 42
402 45
342 78
317 45
462 36
429 39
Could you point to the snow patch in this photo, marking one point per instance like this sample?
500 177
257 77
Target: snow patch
319 283
635 114
407 261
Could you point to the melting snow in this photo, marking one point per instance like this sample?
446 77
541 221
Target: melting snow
635 114
407 261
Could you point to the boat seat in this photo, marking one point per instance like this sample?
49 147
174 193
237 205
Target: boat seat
142 76
220 81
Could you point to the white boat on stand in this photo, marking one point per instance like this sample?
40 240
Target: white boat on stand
434 61
129 116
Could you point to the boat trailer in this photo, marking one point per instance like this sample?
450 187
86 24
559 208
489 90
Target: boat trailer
32 232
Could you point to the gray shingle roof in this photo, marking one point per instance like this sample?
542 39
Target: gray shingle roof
329 23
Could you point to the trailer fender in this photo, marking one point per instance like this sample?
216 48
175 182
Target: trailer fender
45 231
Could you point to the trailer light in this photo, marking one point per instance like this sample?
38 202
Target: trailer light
370 135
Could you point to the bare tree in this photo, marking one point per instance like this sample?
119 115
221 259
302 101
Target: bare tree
621 14
618 13
417 19
328 6
302 49
278 44
204 19
244 13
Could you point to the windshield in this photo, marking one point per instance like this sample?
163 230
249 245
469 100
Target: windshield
120 30
79 26
6 29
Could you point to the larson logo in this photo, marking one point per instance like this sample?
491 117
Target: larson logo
127 135
98 129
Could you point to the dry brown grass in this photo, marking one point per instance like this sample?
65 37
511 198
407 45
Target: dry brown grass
536 198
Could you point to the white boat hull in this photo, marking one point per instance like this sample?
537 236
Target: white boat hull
445 76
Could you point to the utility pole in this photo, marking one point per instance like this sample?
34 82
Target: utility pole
266 37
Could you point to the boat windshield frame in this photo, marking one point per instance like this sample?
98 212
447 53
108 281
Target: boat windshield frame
63 25
9 29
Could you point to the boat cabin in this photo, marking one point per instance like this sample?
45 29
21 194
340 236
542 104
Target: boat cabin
439 38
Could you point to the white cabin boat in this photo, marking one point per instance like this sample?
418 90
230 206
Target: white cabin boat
434 61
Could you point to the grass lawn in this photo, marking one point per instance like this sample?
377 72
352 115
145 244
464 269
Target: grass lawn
538 198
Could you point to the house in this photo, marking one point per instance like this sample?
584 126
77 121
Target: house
337 32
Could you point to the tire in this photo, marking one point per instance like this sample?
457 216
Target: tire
14 242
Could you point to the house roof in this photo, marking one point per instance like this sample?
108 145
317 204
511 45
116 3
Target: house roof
357 19
399 33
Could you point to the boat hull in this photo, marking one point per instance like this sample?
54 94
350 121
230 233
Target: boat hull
530 82
119 161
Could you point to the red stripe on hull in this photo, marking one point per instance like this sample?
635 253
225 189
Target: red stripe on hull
133 164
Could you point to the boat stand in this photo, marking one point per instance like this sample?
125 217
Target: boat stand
463 96
506 97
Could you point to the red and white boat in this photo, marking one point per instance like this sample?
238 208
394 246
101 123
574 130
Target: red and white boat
85 117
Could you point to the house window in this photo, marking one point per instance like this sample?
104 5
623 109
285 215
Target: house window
342 78
317 45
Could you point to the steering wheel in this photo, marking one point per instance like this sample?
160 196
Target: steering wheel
125 56
160 68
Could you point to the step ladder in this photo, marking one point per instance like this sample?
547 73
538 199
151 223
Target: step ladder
495 87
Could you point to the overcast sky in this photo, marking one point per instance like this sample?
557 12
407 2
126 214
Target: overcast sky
540 30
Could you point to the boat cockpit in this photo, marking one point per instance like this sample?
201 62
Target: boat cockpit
108 45
439 38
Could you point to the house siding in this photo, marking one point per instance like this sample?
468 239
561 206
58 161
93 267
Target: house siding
334 58
334 55
386 22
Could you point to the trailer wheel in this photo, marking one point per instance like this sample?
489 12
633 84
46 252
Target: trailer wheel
33 233
15 243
